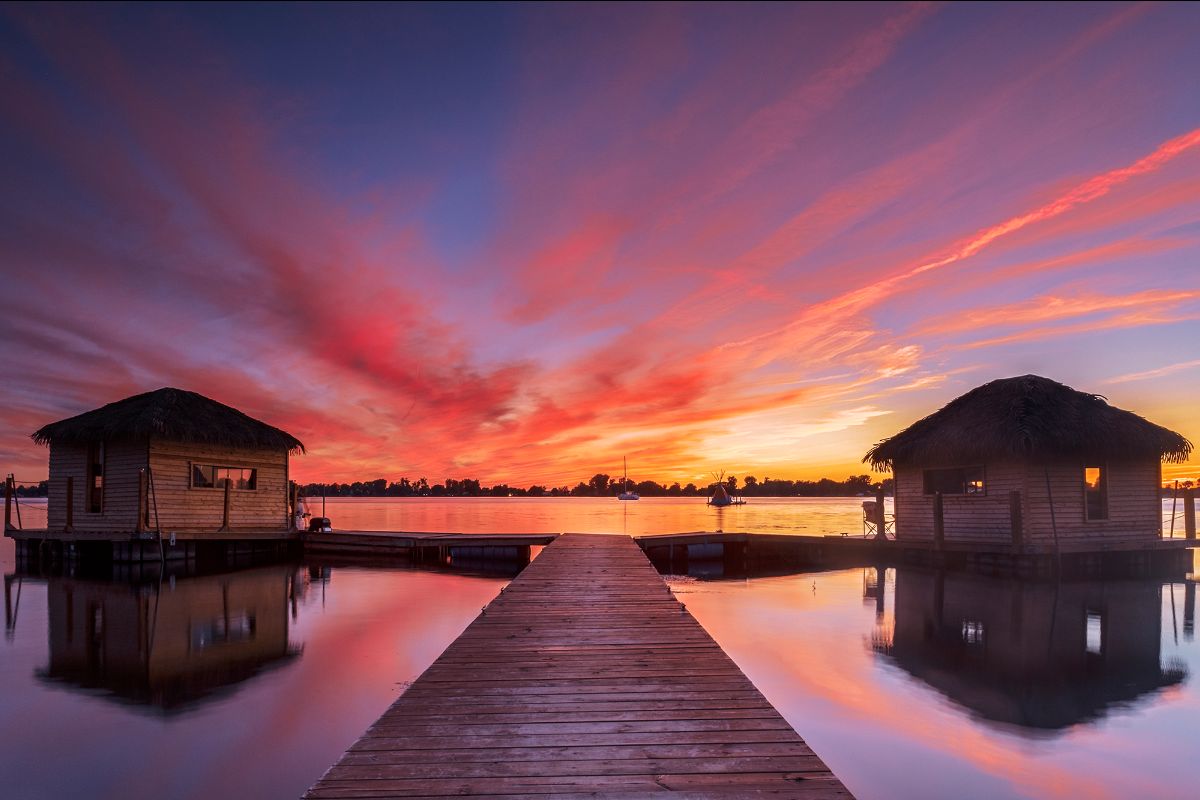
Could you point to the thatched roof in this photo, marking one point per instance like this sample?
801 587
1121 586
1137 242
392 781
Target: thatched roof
1029 417
171 414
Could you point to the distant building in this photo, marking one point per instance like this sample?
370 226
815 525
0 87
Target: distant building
1030 462
162 461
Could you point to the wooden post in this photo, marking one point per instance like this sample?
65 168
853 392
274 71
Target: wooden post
1014 516
1189 610
70 504
8 498
1189 513
880 517
939 523
143 502
225 517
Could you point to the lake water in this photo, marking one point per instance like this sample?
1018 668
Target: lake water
251 683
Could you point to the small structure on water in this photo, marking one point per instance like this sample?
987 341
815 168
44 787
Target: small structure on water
169 461
1029 463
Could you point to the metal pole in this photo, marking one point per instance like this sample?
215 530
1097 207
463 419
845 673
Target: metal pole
8 498
1174 505
1053 520
939 522
1189 512
880 518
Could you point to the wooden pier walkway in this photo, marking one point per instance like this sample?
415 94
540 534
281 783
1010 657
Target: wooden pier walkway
584 678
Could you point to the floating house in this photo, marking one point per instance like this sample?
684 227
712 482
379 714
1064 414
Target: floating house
1031 464
169 461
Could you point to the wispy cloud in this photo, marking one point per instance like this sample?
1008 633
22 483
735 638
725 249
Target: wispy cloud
1169 369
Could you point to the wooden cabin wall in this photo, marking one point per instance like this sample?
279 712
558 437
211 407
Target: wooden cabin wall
123 461
967 518
183 508
1134 508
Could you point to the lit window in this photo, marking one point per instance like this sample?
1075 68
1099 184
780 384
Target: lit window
207 476
972 632
1095 632
957 480
95 477
1095 493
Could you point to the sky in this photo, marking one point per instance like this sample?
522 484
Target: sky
521 242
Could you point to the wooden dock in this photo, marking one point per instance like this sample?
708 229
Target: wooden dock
585 677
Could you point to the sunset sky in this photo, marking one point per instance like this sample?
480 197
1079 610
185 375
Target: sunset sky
519 243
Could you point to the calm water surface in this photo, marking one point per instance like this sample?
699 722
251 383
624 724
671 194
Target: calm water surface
251 683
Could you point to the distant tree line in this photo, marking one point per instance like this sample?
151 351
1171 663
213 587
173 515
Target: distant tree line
600 485
38 489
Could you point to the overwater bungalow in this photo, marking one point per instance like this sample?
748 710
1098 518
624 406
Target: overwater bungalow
169 461
1031 464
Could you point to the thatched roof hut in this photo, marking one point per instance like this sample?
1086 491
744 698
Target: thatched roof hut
168 414
1028 418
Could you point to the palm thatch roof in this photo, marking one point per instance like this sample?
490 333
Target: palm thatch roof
1029 417
172 414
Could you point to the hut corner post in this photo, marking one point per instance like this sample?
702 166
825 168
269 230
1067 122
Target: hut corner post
8 499
1014 515
143 513
939 522
70 504
1189 512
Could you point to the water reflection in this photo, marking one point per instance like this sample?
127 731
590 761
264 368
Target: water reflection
1040 656
168 646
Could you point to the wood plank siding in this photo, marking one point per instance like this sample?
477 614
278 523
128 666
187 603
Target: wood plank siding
584 678
181 507
1133 504
123 461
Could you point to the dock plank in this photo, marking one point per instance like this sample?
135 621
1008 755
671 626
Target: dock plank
585 677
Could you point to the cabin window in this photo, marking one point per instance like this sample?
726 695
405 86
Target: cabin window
1095 493
209 476
957 480
1095 633
95 477
972 632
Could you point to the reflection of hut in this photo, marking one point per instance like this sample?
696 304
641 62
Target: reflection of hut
171 646
168 459
1030 462
1036 655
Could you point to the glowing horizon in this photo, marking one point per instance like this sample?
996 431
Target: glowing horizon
520 243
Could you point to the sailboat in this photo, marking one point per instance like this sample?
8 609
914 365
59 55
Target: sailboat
625 493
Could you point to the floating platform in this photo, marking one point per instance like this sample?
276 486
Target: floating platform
716 555
585 677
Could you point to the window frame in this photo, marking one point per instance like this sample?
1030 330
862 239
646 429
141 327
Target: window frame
93 469
965 473
217 486
1102 488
